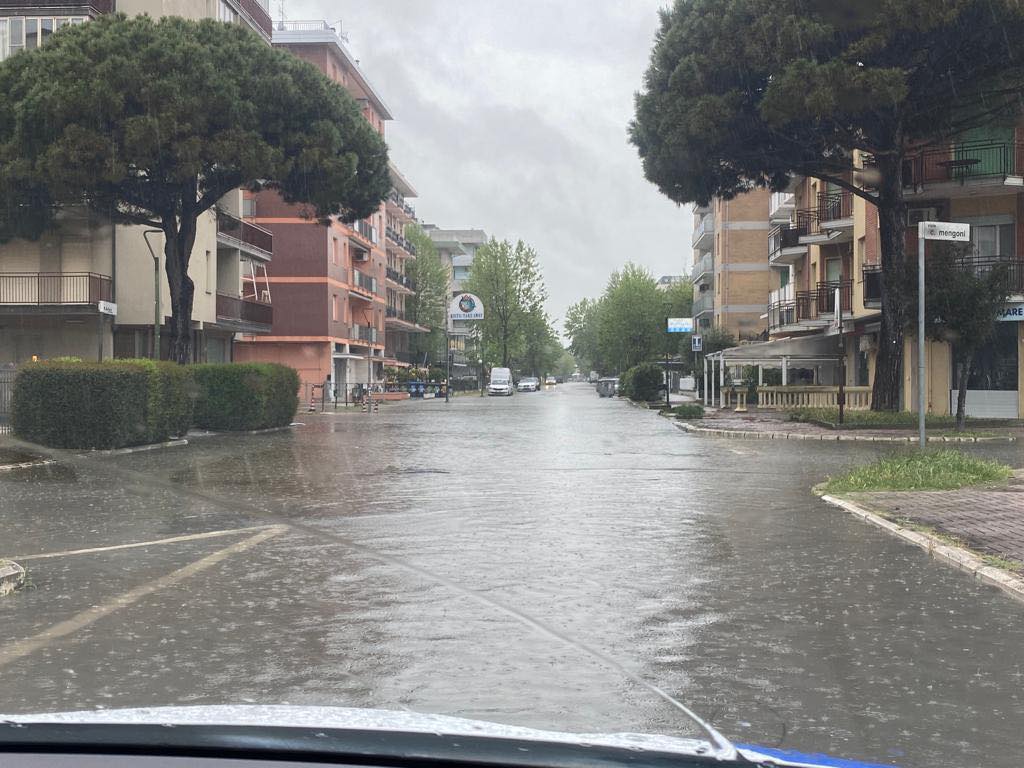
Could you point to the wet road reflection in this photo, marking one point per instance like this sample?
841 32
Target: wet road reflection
463 558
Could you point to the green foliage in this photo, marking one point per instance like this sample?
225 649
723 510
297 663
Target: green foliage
581 327
631 323
80 405
689 411
152 121
642 382
245 396
939 470
717 338
868 419
515 329
171 397
428 305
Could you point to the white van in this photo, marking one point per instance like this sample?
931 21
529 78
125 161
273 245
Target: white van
501 382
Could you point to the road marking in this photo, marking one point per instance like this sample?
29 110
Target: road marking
22 648
153 543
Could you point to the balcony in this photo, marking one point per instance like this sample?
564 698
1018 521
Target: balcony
396 318
704 232
1013 266
704 303
400 281
247 237
967 169
400 205
53 291
703 270
784 246
365 230
872 285
835 210
364 333
781 206
826 297
363 286
399 240
244 315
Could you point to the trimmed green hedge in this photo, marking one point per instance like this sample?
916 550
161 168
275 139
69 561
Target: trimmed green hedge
244 396
689 411
81 405
132 402
642 382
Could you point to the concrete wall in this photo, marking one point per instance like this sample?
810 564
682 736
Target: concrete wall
21 337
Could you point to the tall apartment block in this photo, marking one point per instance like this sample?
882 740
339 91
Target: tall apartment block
340 289
51 289
457 248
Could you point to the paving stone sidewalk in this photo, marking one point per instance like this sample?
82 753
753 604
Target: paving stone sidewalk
987 520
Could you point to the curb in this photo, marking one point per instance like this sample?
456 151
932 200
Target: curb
740 434
962 558
136 448
12 576
26 464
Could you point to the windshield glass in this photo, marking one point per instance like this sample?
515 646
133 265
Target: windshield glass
604 367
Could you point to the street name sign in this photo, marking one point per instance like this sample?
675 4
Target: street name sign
680 325
107 308
466 306
944 230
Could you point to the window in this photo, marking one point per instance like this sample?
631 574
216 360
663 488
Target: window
18 33
334 307
335 252
248 207
31 34
211 272
991 240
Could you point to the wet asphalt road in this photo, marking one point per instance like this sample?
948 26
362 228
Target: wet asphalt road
496 559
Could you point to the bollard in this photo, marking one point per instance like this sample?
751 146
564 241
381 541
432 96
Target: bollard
312 399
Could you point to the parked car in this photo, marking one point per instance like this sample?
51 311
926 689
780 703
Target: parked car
608 386
528 384
501 382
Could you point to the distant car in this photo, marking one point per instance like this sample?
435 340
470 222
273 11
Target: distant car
550 381
501 382
528 384
608 386
559 379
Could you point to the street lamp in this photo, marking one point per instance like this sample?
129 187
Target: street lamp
480 374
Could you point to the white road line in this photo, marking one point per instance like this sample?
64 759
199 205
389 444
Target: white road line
153 543
14 651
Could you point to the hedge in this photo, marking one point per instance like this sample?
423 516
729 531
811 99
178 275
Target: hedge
171 395
244 396
81 405
642 382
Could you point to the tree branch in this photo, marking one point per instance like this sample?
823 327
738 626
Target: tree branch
844 184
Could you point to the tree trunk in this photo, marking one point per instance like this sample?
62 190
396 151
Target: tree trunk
885 394
963 370
177 253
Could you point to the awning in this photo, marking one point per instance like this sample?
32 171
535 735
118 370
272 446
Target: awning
348 356
816 348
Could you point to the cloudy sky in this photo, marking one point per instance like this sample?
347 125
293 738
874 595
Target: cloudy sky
511 117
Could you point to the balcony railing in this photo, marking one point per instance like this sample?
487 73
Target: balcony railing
364 282
872 285
703 302
780 205
403 280
833 206
364 333
395 312
247 235
783 236
400 240
1013 266
704 227
399 201
807 221
59 288
366 230
827 297
960 162
706 266
244 310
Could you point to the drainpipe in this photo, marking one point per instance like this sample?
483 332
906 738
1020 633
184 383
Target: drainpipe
156 291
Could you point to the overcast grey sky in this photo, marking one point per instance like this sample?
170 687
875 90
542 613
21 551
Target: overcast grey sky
511 117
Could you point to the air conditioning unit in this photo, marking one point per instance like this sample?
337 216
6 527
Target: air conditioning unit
358 255
916 215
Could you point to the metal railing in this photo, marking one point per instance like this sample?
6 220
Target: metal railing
245 310
403 280
963 161
364 282
399 201
7 373
245 233
781 314
871 276
826 302
54 288
807 221
395 312
783 236
400 240
833 206
1012 265
364 333
366 230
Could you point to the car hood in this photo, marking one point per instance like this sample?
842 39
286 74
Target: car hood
345 718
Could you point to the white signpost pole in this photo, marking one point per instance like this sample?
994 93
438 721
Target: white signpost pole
929 230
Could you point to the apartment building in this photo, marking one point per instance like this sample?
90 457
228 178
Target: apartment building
52 290
457 248
665 282
730 272
825 253
339 288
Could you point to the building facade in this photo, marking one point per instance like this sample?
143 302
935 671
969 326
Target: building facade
457 249
51 290
340 288
730 271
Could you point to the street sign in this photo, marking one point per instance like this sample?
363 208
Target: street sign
107 308
680 325
944 230
696 343
1013 313
466 306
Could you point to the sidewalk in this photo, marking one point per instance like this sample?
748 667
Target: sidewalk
775 425
979 530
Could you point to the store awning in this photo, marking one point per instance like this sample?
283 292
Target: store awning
795 350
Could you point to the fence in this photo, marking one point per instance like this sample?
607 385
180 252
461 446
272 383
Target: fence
857 398
6 388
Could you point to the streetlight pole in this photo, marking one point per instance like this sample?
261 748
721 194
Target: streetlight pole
842 353
448 358
156 292
921 400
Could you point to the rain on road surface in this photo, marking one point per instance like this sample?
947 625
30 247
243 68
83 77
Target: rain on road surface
464 558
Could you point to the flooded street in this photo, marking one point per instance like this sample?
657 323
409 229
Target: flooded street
526 560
